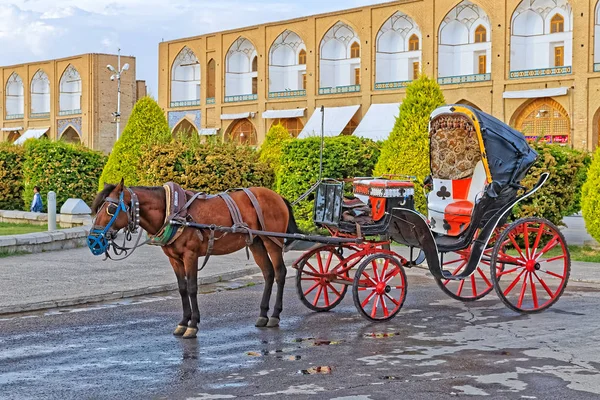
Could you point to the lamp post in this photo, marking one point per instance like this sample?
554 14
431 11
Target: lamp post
116 74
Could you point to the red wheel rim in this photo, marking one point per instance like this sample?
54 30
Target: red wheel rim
315 283
535 266
382 288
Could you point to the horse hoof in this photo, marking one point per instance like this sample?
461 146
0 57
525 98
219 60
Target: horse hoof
273 322
190 333
180 330
262 322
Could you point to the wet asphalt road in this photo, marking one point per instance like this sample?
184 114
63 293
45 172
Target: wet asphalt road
436 348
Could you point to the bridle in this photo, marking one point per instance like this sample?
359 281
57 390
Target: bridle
101 239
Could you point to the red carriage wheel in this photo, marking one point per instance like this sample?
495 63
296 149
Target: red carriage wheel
379 288
314 279
530 265
476 286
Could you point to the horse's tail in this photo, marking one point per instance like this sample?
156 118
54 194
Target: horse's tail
292 225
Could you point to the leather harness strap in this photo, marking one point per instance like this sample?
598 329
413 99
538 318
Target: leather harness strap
256 205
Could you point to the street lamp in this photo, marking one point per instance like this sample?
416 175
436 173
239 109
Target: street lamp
116 74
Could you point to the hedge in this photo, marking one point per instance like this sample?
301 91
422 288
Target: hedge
205 167
406 151
590 202
11 177
72 171
561 195
147 125
270 150
343 157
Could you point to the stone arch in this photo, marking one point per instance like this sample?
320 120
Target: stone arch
184 128
395 61
532 45
595 130
185 79
337 67
459 52
211 75
239 77
69 101
242 131
40 93
12 136
70 135
543 118
15 97
468 103
286 71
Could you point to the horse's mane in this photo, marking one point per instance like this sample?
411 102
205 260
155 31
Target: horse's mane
101 197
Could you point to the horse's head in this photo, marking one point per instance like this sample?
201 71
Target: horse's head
112 213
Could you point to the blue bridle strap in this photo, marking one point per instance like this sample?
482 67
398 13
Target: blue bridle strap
97 240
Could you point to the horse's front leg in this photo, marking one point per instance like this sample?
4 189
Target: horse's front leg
179 269
191 272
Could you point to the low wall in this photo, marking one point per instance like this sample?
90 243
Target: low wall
62 220
45 241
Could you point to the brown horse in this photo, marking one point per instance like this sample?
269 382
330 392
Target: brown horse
185 251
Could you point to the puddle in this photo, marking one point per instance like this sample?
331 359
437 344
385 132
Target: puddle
381 335
390 378
316 371
274 352
317 342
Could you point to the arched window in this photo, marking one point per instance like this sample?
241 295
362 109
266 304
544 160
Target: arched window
184 129
70 92
355 50
480 34
40 94
255 64
185 79
15 97
211 77
70 135
293 125
241 65
413 43
243 132
544 118
557 24
302 57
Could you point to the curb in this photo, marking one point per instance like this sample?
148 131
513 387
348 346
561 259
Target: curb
44 305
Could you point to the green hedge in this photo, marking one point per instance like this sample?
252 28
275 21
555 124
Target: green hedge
11 177
147 125
72 171
270 150
343 157
205 167
590 202
561 195
406 151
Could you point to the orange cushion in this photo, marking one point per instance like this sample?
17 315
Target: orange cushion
462 207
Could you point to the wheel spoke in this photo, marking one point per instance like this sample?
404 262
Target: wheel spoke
374 264
385 267
316 299
523 289
391 275
508 271
311 267
334 289
392 299
326 296
485 279
526 235
514 242
533 292
549 246
386 313
554 274
512 285
320 262
460 287
540 232
506 259
313 287
366 301
544 285
374 309
554 258
328 265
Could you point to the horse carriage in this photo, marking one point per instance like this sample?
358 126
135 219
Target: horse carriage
467 239
477 164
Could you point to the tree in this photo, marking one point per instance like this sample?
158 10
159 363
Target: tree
270 151
590 198
147 126
406 151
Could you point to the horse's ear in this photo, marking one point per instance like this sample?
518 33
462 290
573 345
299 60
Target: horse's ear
121 185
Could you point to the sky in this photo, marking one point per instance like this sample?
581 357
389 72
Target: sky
33 30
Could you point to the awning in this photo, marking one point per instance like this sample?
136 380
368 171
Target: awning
16 128
31 134
536 93
275 114
379 121
235 116
336 119
208 131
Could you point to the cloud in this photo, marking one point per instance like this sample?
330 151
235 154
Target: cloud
33 30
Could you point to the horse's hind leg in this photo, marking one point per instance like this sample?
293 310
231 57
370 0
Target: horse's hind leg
262 260
179 269
276 255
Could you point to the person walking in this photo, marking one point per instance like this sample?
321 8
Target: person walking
36 203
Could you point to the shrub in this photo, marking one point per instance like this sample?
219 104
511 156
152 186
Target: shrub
205 167
590 198
343 157
406 151
561 195
147 125
270 151
11 177
72 171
